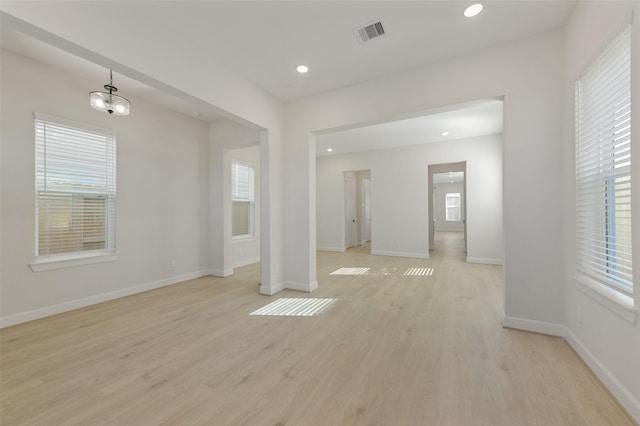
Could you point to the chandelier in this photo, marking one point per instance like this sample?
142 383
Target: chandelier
108 101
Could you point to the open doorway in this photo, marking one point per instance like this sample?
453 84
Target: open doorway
357 206
447 208
365 206
398 153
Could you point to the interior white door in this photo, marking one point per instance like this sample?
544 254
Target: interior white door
366 210
351 211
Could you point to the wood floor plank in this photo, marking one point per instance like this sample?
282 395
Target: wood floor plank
392 350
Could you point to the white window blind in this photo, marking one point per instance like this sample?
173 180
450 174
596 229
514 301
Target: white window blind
603 167
75 189
452 204
242 199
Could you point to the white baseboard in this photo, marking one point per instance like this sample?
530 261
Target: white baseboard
622 394
306 287
400 254
624 397
270 291
338 249
533 325
220 272
485 261
92 300
246 262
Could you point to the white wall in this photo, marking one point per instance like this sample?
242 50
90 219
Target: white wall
440 192
595 327
200 80
400 216
162 207
246 250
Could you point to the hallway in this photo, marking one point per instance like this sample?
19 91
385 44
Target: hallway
449 245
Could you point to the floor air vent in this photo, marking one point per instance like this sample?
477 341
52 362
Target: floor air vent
369 31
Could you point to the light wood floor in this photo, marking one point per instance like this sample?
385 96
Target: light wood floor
393 350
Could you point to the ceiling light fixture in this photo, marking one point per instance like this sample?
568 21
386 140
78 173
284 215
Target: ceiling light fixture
473 10
108 102
329 149
444 133
302 69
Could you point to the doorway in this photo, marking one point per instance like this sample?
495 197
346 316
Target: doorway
357 203
447 204
365 197
350 210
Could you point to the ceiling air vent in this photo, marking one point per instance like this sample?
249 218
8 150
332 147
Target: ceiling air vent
369 31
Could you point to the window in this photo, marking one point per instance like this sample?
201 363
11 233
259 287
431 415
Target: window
75 190
452 204
242 200
603 167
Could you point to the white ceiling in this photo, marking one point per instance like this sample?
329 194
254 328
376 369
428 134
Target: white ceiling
471 120
35 49
265 40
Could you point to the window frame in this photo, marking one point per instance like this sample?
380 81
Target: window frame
250 199
599 199
452 195
65 259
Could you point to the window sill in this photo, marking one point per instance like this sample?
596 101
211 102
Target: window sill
243 238
60 262
616 302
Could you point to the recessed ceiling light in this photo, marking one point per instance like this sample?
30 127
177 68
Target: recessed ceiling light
329 149
444 133
302 69
473 10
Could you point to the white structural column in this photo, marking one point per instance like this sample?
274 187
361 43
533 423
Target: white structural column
219 214
271 217
299 213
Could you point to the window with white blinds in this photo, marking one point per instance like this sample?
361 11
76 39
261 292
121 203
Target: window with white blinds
452 205
603 167
75 190
242 199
